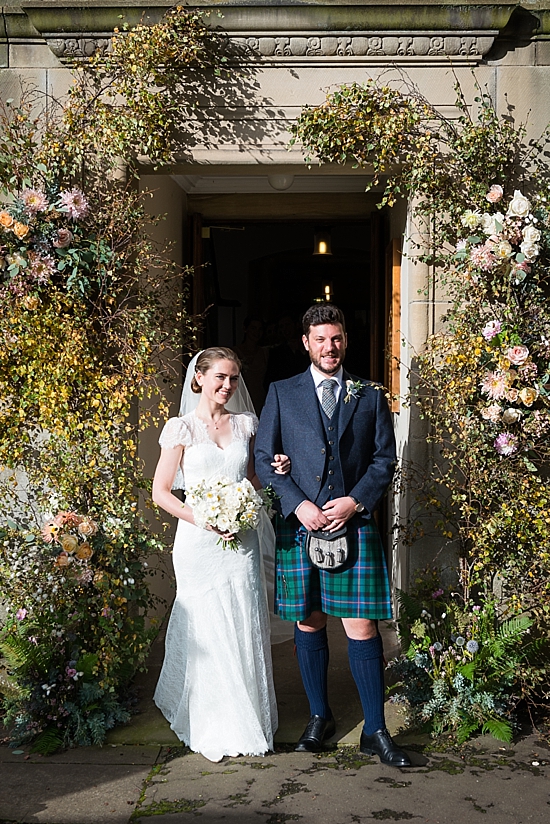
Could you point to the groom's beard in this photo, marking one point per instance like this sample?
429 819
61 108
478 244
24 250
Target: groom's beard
317 361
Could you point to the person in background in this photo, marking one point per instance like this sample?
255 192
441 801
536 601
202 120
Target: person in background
289 357
254 360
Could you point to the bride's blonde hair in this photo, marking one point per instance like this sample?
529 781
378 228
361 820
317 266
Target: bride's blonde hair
208 358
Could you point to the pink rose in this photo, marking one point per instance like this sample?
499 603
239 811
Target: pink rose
495 193
64 238
517 354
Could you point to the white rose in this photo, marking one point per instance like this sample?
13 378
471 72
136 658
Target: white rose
503 249
519 205
530 234
530 250
488 223
511 415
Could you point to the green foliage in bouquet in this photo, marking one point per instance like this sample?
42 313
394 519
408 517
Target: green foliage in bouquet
88 327
480 197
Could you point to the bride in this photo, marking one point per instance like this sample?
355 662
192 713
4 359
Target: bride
216 684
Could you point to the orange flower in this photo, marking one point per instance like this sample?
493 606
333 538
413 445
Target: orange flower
20 230
6 220
84 551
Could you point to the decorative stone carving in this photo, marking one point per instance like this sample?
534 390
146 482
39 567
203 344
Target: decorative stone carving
73 47
385 44
340 46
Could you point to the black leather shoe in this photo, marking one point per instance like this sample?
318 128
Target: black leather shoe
315 733
380 743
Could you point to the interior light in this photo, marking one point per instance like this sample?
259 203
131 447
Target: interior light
321 242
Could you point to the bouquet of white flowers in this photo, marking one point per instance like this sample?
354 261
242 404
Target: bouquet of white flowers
230 506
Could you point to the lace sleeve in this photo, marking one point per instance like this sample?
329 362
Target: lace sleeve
175 433
247 424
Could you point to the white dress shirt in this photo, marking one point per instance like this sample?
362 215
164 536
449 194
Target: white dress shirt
318 377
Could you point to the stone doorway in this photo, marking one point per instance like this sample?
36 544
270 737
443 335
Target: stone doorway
266 270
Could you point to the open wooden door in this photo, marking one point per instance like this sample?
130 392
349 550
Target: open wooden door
393 314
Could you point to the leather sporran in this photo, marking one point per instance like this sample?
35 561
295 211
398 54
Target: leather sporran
327 550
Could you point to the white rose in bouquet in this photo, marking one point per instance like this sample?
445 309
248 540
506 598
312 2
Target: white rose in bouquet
519 206
531 234
530 250
511 415
225 505
489 223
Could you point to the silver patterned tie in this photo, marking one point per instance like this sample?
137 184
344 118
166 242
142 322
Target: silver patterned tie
328 400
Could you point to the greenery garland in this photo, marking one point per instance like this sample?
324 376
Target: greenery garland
88 322
483 385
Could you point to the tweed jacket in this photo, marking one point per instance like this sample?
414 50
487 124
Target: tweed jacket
291 424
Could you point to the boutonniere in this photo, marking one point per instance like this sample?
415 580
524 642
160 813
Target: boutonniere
353 390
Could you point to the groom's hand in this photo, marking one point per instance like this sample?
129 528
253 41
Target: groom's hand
311 516
338 512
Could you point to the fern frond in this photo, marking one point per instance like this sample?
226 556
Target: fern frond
499 729
48 742
22 654
466 730
408 605
512 630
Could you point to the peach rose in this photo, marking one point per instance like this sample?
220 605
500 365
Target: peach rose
491 413
6 220
87 527
69 518
84 551
20 230
62 560
64 238
528 395
69 543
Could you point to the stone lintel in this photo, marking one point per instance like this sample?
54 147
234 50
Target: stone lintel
51 16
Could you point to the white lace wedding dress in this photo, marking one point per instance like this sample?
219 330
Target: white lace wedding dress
216 684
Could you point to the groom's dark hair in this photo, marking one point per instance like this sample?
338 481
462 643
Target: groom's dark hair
321 313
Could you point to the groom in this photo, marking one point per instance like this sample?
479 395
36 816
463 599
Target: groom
338 434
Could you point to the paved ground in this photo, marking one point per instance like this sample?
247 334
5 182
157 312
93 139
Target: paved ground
127 785
143 771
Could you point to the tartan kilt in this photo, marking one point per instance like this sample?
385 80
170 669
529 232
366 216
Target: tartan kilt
358 589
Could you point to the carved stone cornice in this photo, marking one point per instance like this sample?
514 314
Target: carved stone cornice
363 46
315 47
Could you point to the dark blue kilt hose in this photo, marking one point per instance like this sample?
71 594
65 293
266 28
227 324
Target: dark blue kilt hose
358 589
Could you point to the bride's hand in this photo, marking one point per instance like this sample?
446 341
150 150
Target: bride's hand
282 464
227 536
